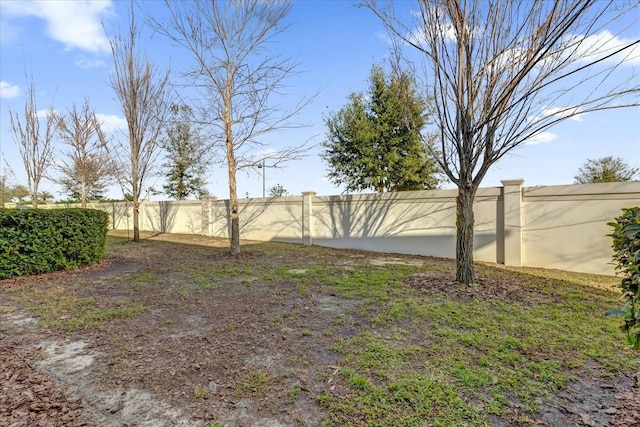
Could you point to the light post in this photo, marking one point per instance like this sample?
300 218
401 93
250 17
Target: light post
264 166
264 188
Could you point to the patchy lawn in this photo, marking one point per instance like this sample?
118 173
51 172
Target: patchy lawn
173 331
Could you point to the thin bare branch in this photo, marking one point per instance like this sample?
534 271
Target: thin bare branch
35 147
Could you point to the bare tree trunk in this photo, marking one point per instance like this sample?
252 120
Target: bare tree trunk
235 216
465 222
233 201
83 195
135 190
136 220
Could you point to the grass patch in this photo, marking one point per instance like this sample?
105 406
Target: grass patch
60 309
487 351
253 383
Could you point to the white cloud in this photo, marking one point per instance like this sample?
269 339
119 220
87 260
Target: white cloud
75 24
571 113
86 63
111 123
42 114
598 46
541 138
7 90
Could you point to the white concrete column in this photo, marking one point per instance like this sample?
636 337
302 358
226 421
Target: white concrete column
307 217
205 225
512 199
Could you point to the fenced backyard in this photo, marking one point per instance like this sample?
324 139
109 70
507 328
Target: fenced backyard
339 311
173 331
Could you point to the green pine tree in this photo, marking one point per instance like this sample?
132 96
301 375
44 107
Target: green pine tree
374 142
185 156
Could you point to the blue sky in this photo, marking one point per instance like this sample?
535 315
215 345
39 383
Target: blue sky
63 46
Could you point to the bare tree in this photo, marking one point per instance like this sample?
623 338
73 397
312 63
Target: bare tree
238 76
143 92
503 72
35 146
87 167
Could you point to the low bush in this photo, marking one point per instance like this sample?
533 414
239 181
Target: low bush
39 241
626 248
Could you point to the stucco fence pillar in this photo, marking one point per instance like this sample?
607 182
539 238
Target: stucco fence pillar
207 208
513 211
307 217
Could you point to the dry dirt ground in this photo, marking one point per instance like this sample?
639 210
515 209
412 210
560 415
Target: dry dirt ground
209 359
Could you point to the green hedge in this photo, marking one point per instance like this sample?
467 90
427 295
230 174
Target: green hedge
39 241
626 254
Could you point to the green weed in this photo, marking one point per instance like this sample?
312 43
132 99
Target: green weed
63 310
254 383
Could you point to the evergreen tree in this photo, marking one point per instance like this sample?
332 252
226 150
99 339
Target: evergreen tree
371 144
73 189
45 196
185 156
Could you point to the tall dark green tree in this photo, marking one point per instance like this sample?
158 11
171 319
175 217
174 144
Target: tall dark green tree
186 156
73 189
371 144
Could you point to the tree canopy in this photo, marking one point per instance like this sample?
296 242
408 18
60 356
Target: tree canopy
605 169
371 144
278 190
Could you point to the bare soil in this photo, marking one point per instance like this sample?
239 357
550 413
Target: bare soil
253 355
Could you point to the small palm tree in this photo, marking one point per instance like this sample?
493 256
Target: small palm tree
45 196
278 190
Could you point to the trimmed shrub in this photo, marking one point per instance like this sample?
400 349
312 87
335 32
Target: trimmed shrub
39 241
626 254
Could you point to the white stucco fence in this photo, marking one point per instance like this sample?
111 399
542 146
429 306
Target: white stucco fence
561 227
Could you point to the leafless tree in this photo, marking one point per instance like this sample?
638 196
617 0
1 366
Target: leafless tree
237 76
35 146
143 92
87 166
503 72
